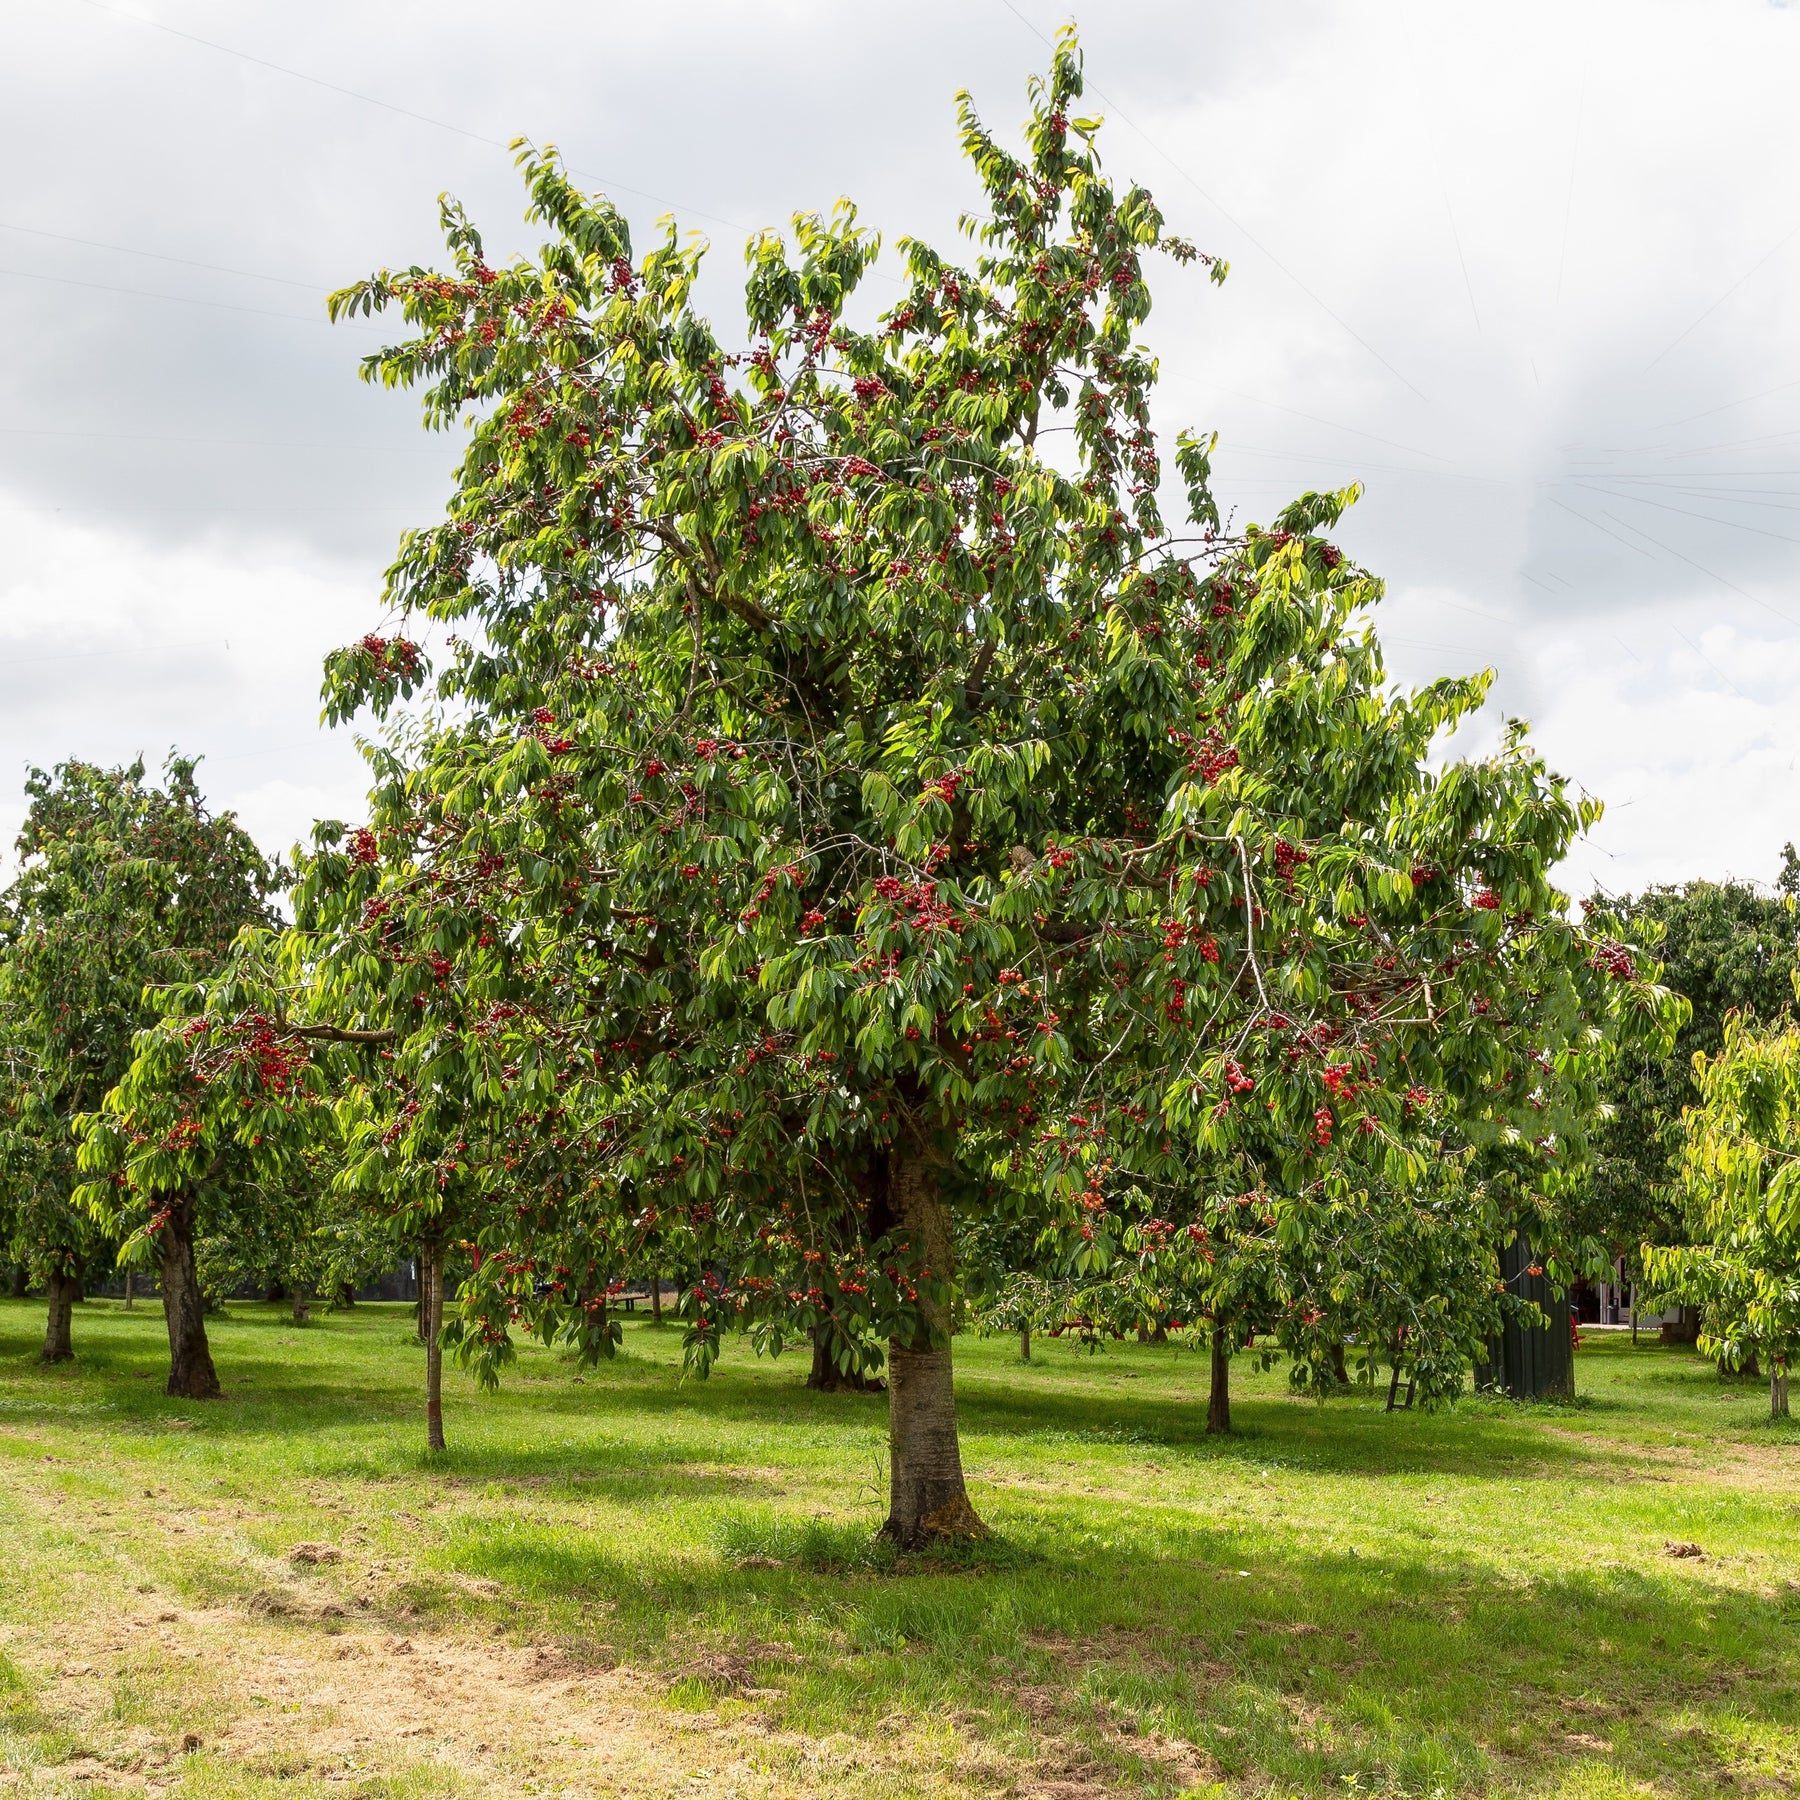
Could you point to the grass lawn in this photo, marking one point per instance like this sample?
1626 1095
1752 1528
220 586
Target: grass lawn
621 1584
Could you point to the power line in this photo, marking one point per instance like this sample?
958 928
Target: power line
186 262
1275 406
405 112
1701 320
1219 206
109 287
1729 404
1687 512
1713 575
156 437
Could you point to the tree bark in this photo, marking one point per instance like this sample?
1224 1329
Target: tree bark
64 1291
302 1305
1025 1343
431 1327
1218 1403
1778 1388
927 1499
191 1372
656 1299
1340 1370
130 1290
21 1281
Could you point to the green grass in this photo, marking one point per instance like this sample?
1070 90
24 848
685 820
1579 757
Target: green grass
1333 1601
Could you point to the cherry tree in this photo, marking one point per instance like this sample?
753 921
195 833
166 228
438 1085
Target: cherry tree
848 806
124 886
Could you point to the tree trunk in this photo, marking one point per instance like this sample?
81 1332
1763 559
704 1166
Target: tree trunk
431 1325
346 1296
1634 1315
302 1305
1025 1343
656 1299
1218 1403
64 1291
1393 1388
130 1290
827 1378
1778 1388
928 1502
21 1281
191 1372
1340 1370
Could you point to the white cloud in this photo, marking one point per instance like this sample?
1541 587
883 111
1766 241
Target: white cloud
1524 272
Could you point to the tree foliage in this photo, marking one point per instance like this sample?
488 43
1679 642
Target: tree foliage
846 799
1726 947
123 886
1740 1173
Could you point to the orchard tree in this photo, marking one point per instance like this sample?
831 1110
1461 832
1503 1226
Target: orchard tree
902 811
123 886
1726 947
850 804
1740 1173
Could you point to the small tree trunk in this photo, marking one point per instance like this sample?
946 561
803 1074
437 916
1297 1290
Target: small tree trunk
1340 1370
346 1296
21 1281
927 1499
191 1372
64 1290
1393 1387
1778 1388
302 1305
431 1324
656 1298
827 1378
1025 1342
1634 1315
130 1289
1218 1403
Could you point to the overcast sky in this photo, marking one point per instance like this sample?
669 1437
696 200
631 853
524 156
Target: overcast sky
1527 273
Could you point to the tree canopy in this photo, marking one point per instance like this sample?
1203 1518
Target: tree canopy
846 801
123 886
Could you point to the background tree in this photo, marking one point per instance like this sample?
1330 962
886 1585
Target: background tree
123 886
1740 1174
1725 946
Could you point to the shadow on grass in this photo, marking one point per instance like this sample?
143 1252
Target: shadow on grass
1309 1668
287 1381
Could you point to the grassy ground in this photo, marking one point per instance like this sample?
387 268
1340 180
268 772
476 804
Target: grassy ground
621 1584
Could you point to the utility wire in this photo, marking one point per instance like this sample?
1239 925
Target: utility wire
158 437
405 112
1701 320
108 287
1218 206
186 262
1687 512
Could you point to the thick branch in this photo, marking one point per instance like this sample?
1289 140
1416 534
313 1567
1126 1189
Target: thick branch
340 1034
